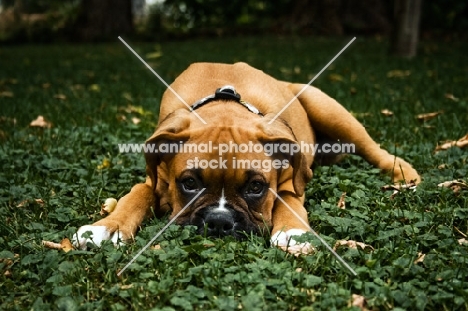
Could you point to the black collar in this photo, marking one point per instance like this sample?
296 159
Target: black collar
226 92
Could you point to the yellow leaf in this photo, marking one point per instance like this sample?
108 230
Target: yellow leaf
335 77
360 114
358 301
450 96
386 112
154 55
94 88
51 245
60 96
351 244
455 185
105 164
108 206
66 245
127 96
420 258
6 94
461 143
428 116
398 73
341 203
40 122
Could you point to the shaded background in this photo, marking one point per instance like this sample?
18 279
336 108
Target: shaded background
403 22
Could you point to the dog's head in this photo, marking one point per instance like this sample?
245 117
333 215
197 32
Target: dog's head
235 165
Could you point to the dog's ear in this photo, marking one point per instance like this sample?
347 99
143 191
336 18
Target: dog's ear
279 132
173 129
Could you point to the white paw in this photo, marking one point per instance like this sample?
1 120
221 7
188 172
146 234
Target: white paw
97 236
285 241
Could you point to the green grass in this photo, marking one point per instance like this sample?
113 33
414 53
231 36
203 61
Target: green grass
61 166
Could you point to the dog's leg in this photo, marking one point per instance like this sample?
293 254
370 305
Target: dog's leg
328 116
121 224
289 219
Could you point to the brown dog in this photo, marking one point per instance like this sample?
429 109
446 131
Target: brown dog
236 165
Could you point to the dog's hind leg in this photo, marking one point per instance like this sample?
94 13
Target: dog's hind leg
327 116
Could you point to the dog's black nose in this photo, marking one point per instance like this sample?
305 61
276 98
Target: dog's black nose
219 223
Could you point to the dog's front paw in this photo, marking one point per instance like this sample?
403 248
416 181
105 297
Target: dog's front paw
285 240
96 235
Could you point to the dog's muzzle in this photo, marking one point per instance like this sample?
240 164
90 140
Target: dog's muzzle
213 221
219 222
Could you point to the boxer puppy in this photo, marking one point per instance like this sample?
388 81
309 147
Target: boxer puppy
231 188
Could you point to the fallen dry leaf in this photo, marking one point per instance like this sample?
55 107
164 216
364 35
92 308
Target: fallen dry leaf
341 203
60 96
458 230
127 96
420 258
386 112
51 245
7 120
455 185
461 143
40 122
94 88
6 94
428 116
335 77
450 96
398 73
64 245
154 55
136 120
358 301
442 166
28 201
351 244
108 206
361 114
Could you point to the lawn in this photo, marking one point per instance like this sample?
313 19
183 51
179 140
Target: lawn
54 179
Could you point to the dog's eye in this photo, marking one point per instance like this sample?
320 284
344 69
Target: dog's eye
255 187
190 184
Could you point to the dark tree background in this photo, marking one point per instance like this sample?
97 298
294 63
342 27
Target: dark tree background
102 19
405 36
402 21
